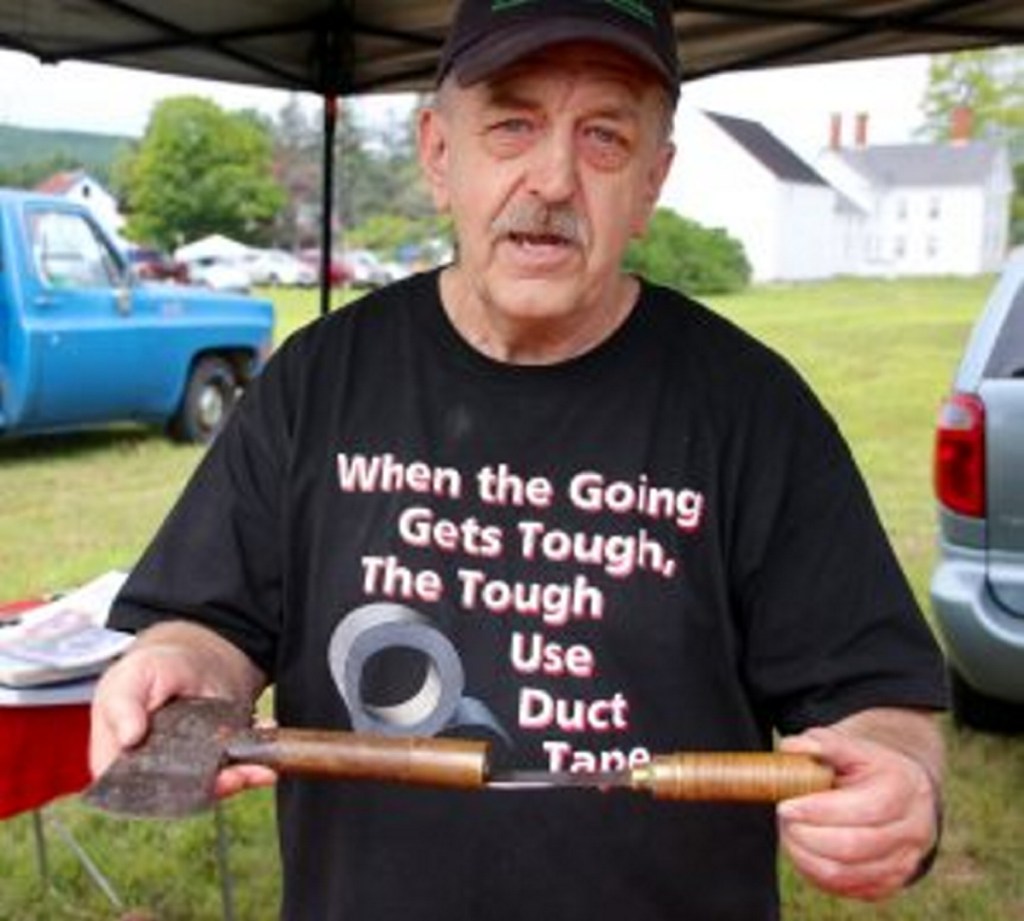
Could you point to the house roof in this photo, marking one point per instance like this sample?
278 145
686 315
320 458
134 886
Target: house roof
924 164
60 183
767 149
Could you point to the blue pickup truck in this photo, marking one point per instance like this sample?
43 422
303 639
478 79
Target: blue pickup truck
83 343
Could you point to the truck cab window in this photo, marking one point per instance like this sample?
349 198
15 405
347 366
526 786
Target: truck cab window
69 253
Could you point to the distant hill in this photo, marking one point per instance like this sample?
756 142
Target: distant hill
23 147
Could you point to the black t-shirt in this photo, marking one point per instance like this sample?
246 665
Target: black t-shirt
660 545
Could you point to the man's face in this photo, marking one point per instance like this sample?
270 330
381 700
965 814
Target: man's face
548 170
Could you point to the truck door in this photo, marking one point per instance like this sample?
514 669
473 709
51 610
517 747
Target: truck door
81 326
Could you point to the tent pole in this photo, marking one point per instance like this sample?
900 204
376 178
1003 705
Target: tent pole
327 200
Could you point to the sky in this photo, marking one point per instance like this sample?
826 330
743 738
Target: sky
794 103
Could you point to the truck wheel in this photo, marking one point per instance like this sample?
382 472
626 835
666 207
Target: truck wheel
210 396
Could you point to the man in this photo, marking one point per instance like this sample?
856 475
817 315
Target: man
625 527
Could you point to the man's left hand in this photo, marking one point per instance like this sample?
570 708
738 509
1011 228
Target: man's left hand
865 838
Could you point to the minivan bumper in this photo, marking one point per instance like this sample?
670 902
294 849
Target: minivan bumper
984 641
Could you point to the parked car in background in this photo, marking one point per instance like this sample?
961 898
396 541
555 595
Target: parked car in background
365 269
340 273
220 274
977 588
216 262
151 264
278 267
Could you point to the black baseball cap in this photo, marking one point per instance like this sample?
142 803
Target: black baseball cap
488 35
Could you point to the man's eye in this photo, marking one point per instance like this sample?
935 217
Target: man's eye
606 148
512 126
509 137
606 136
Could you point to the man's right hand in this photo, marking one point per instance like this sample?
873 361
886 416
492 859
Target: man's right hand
172 659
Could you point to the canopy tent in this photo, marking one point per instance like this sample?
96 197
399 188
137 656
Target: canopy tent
358 46
215 246
343 47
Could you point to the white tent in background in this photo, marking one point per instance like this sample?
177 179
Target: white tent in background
215 247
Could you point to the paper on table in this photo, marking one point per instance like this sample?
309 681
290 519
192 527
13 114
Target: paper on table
64 639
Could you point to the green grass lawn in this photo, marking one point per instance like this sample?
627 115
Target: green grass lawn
880 355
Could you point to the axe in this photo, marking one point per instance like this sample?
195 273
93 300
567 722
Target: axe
172 773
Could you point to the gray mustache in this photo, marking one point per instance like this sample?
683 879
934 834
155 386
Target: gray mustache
537 219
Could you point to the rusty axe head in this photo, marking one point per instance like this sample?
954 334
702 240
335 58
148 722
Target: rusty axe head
173 771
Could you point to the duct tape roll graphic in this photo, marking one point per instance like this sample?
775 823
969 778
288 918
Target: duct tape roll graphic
372 633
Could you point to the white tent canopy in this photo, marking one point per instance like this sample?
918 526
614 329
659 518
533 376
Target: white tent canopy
214 246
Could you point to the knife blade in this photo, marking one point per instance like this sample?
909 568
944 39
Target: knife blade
554 780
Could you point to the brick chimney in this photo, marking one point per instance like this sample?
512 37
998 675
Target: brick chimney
961 125
860 130
835 131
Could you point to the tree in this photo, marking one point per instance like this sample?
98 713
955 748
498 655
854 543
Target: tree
200 170
683 254
990 83
378 169
376 179
393 234
29 174
297 168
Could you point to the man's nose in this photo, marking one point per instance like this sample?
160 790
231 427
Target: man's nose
552 170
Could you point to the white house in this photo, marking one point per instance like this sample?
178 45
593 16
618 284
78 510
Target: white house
908 209
735 174
79 186
921 209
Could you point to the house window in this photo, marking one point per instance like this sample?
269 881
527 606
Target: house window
901 209
934 207
899 247
931 247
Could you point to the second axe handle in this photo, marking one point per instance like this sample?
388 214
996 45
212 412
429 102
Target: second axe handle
733 776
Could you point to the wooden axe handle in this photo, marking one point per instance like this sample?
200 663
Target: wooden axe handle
733 776
435 762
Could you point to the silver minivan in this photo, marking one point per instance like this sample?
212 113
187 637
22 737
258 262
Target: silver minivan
977 589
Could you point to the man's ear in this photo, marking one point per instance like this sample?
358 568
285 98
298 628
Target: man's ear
656 176
432 144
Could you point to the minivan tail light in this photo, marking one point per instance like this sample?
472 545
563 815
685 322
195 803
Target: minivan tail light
960 455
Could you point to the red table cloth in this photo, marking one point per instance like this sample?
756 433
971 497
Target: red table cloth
43 750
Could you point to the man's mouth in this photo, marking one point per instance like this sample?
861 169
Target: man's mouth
539 239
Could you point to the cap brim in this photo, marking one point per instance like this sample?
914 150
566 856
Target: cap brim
492 54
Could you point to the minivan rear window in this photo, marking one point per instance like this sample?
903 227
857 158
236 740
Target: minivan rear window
1007 358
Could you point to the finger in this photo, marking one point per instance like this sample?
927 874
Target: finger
869 879
126 695
119 721
870 804
844 752
103 744
872 785
849 843
239 777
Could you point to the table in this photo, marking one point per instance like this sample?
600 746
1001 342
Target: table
45 749
44 754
